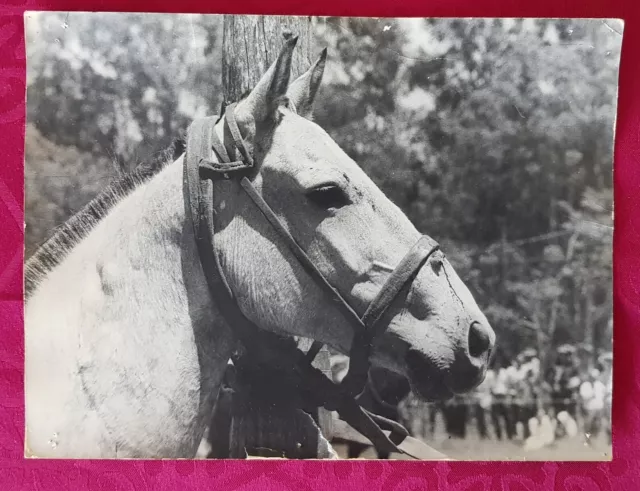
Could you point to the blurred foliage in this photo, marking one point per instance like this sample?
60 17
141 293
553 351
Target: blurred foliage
121 85
494 136
59 180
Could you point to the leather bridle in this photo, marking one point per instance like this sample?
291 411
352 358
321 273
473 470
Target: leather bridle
207 160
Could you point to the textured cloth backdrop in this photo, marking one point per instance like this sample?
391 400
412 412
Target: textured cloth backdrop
623 473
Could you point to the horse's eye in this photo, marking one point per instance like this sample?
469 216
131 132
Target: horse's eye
329 196
437 265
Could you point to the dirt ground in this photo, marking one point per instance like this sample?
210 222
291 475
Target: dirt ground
474 448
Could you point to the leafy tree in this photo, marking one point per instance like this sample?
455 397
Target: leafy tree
122 85
494 136
522 131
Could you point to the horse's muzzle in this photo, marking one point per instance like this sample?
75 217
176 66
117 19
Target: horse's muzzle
470 365
434 378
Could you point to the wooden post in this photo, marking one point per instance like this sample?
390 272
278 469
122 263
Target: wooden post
250 45
262 427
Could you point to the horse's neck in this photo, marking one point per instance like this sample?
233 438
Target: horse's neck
128 313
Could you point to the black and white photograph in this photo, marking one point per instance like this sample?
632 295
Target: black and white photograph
253 237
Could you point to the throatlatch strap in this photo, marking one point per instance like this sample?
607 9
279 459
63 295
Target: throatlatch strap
199 207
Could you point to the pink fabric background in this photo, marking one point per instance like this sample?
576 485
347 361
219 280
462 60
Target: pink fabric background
623 473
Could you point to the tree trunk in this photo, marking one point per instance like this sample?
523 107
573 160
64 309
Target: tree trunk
250 45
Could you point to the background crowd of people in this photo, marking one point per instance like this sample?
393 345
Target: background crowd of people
521 401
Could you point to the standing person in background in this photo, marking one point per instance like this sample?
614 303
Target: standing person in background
500 404
413 412
592 395
528 386
608 406
450 417
605 361
456 413
436 408
565 381
583 357
542 393
483 402
515 378
461 415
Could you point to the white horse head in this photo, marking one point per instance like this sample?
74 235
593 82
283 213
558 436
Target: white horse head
437 335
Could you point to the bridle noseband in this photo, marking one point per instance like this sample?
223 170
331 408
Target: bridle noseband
200 171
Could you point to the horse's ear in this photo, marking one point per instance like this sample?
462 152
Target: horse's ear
302 92
269 92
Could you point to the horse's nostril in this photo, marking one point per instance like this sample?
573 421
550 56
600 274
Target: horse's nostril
479 340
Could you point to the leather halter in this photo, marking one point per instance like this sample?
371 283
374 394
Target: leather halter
207 160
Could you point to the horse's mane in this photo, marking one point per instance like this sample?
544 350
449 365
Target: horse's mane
74 230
